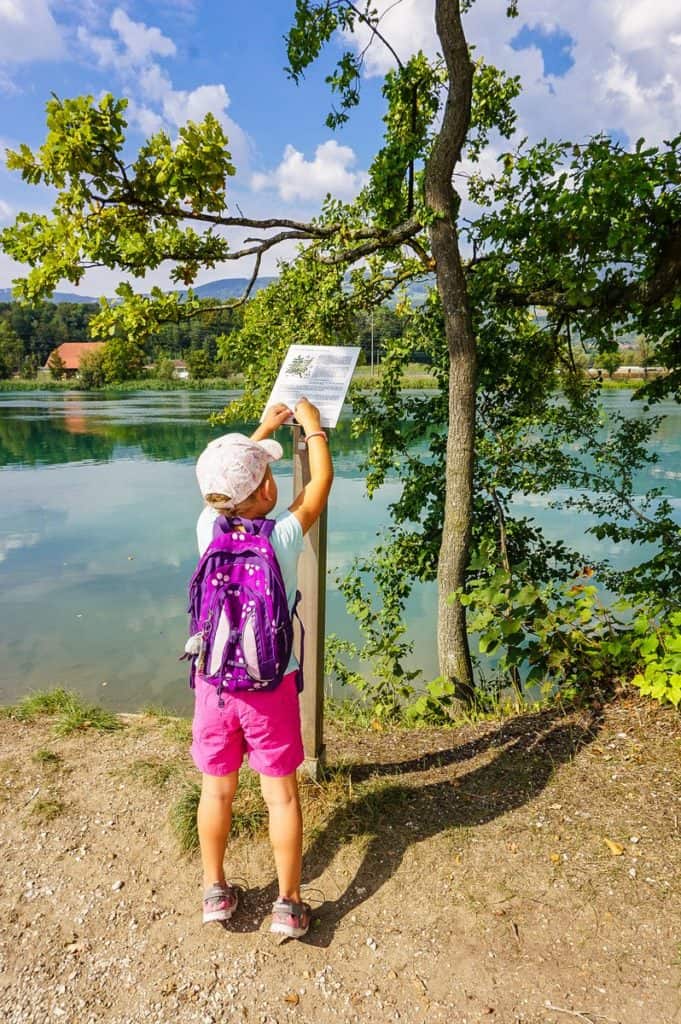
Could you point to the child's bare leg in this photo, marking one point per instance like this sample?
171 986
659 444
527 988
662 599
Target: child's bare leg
286 831
214 820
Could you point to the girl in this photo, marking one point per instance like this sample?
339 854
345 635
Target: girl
235 479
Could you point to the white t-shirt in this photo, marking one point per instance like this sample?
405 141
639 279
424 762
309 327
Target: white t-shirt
287 542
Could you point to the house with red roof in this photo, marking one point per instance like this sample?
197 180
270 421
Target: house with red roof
71 353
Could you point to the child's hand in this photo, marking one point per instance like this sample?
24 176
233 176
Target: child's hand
274 417
307 415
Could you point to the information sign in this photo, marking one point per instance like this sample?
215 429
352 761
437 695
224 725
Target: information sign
320 373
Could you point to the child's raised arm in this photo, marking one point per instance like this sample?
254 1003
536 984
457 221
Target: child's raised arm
309 504
275 416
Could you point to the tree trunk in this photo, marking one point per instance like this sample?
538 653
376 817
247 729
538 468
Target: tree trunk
453 650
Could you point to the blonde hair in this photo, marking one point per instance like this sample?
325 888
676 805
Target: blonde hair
223 504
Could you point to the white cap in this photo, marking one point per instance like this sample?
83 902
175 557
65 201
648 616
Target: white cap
234 465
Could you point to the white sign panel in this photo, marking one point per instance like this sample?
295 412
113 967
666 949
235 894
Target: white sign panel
320 373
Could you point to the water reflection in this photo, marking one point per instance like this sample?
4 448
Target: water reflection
44 430
97 518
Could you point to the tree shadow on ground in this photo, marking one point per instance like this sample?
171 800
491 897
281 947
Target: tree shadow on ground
520 758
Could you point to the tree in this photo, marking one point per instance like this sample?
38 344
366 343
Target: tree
91 370
601 252
56 366
11 350
165 368
642 353
29 368
608 361
199 363
122 359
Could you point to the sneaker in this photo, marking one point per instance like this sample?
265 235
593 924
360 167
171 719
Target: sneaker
290 918
219 902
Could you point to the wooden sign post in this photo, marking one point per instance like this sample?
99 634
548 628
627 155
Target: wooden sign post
322 374
312 610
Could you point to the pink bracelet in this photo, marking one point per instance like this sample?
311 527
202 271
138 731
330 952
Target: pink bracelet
316 433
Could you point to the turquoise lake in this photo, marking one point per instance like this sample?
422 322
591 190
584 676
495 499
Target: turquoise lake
97 516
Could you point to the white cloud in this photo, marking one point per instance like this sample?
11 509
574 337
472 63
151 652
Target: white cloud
7 213
28 31
177 106
135 45
180 105
154 83
153 103
140 42
626 76
298 178
144 118
103 47
16 542
7 86
408 26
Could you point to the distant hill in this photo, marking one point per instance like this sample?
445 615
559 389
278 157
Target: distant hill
230 287
6 296
225 288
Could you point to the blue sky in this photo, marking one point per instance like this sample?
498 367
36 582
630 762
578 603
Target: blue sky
603 66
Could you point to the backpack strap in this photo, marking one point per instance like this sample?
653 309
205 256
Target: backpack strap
264 527
301 660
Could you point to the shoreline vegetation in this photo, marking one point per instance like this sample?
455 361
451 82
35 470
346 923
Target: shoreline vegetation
70 712
362 378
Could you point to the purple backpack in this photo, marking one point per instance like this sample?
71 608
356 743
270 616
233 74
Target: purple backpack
242 630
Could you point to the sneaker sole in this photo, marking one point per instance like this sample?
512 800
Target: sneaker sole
219 915
291 933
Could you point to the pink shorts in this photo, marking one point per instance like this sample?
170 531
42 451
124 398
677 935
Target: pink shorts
266 726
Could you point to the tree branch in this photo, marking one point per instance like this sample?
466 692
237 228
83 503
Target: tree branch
381 240
607 297
372 27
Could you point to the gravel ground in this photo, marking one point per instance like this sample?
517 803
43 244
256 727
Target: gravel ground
524 871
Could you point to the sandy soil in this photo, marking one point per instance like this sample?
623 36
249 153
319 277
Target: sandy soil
525 871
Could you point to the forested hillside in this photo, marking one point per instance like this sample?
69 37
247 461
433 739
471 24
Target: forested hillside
28 334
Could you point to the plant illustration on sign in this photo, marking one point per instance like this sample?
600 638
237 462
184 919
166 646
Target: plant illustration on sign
300 366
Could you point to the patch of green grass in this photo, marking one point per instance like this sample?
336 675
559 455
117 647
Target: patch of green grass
153 772
47 809
143 384
47 758
348 715
183 818
457 835
356 809
156 711
178 729
71 712
629 384
19 384
44 702
249 813
175 727
76 715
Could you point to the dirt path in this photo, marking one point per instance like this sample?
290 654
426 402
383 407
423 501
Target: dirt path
466 878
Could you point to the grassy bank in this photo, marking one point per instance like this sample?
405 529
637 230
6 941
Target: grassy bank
622 385
415 377
123 387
